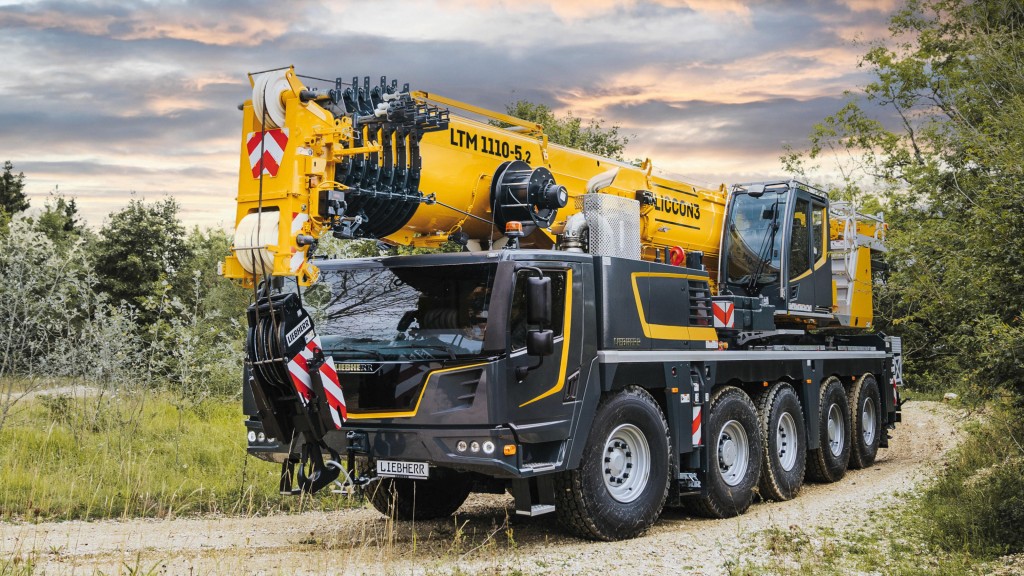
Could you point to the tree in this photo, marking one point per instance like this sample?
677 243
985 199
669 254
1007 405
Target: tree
214 294
140 251
60 221
53 325
570 130
12 191
951 177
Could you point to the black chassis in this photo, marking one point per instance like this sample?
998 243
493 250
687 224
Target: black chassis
613 353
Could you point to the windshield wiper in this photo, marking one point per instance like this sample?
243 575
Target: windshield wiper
372 353
765 255
439 347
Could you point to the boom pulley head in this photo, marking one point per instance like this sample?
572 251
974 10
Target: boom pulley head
524 194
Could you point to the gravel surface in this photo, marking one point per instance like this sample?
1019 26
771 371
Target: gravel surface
485 537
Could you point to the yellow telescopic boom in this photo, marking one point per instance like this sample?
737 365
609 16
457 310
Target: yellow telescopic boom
399 166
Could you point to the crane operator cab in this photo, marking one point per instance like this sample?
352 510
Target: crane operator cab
775 248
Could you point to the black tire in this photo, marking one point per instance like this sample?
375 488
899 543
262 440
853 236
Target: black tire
828 462
600 500
728 485
866 421
437 497
783 442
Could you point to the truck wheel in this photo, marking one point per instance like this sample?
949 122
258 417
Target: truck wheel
734 454
437 497
828 462
783 442
623 479
865 405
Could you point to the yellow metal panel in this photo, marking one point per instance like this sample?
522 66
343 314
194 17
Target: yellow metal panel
861 313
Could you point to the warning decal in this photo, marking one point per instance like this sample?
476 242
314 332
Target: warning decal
724 314
266 149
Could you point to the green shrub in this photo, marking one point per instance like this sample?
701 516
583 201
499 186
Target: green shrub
977 503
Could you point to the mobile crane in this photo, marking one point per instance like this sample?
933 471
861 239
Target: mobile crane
609 340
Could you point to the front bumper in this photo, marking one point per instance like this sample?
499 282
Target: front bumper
439 447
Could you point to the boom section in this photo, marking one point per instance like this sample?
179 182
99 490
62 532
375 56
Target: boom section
376 161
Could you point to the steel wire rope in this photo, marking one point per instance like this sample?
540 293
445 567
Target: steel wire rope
323 79
268 339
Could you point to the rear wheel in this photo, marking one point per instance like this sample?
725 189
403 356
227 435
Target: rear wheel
865 405
437 497
828 462
783 442
735 455
621 485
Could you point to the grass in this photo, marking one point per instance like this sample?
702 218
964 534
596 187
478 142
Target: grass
961 523
976 506
913 394
881 546
66 458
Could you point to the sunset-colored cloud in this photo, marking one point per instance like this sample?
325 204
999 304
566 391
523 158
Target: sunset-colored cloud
148 21
579 9
883 6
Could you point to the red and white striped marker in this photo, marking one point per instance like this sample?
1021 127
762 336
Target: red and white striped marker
696 426
724 312
298 219
298 368
272 144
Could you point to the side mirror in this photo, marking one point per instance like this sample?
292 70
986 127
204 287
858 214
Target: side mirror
540 342
538 300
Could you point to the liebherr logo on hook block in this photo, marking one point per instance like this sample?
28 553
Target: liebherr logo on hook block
271 151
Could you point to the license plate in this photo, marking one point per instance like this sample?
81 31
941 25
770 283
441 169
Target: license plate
399 469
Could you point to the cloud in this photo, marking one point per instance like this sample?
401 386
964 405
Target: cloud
102 99
217 23
570 10
883 6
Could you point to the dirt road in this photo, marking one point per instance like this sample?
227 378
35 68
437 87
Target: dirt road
483 538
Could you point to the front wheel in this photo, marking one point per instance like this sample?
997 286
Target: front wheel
437 497
623 480
734 455
828 462
865 408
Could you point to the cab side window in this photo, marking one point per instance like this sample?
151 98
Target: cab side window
517 320
817 233
799 251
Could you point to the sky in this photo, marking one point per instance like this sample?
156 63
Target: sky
104 101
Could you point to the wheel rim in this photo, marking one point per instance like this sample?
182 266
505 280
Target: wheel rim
733 452
786 441
867 419
627 463
835 430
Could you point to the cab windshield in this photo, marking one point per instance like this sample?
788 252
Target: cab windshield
402 312
754 235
